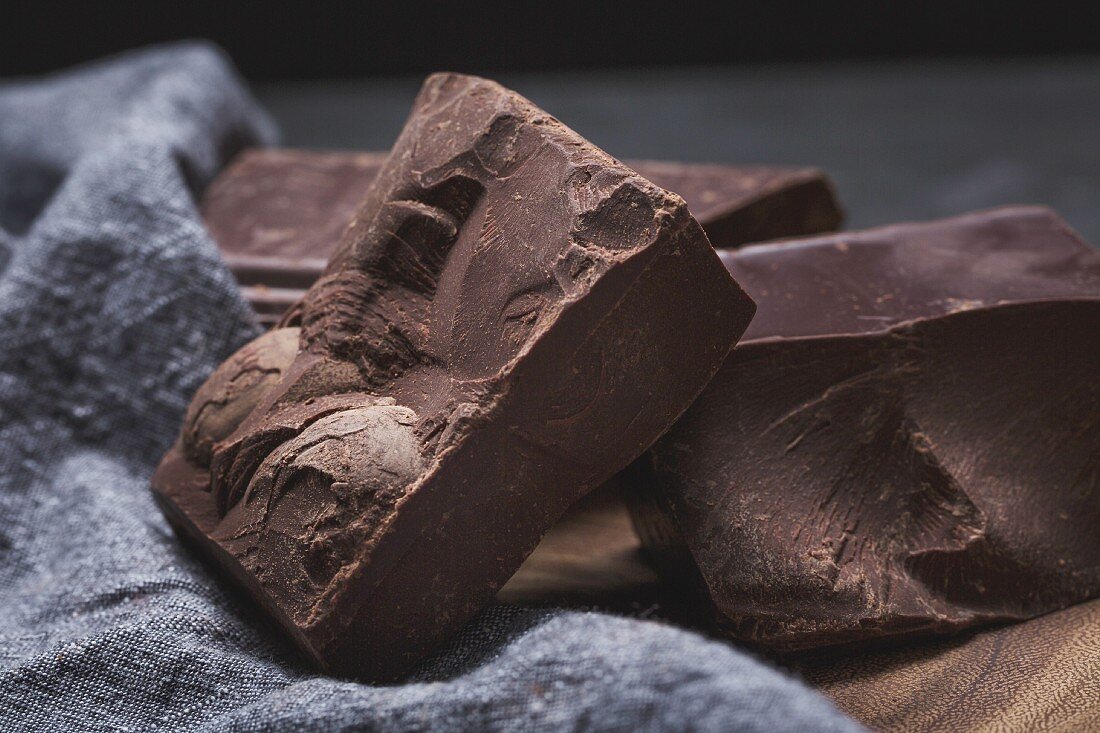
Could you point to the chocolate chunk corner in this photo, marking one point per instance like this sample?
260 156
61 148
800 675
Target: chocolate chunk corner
511 317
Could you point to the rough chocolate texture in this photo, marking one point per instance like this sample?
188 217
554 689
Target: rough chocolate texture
278 214
510 317
906 441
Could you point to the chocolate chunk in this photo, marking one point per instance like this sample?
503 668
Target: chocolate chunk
511 317
906 441
277 214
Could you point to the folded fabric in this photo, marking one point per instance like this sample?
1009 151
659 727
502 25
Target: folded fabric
114 306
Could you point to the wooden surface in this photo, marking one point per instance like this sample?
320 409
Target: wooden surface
1039 675
591 557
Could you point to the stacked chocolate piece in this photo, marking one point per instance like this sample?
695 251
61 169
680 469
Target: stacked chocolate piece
482 327
905 441
278 214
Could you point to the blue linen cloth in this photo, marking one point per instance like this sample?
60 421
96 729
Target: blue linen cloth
114 306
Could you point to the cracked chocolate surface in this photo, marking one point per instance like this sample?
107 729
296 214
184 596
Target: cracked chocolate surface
906 441
511 317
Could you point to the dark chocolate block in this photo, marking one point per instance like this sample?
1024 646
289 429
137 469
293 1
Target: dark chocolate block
278 214
511 317
907 440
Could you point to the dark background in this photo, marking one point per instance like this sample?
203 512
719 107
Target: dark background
917 109
306 40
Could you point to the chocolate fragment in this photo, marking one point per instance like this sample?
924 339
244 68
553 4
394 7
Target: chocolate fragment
511 317
278 214
907 440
